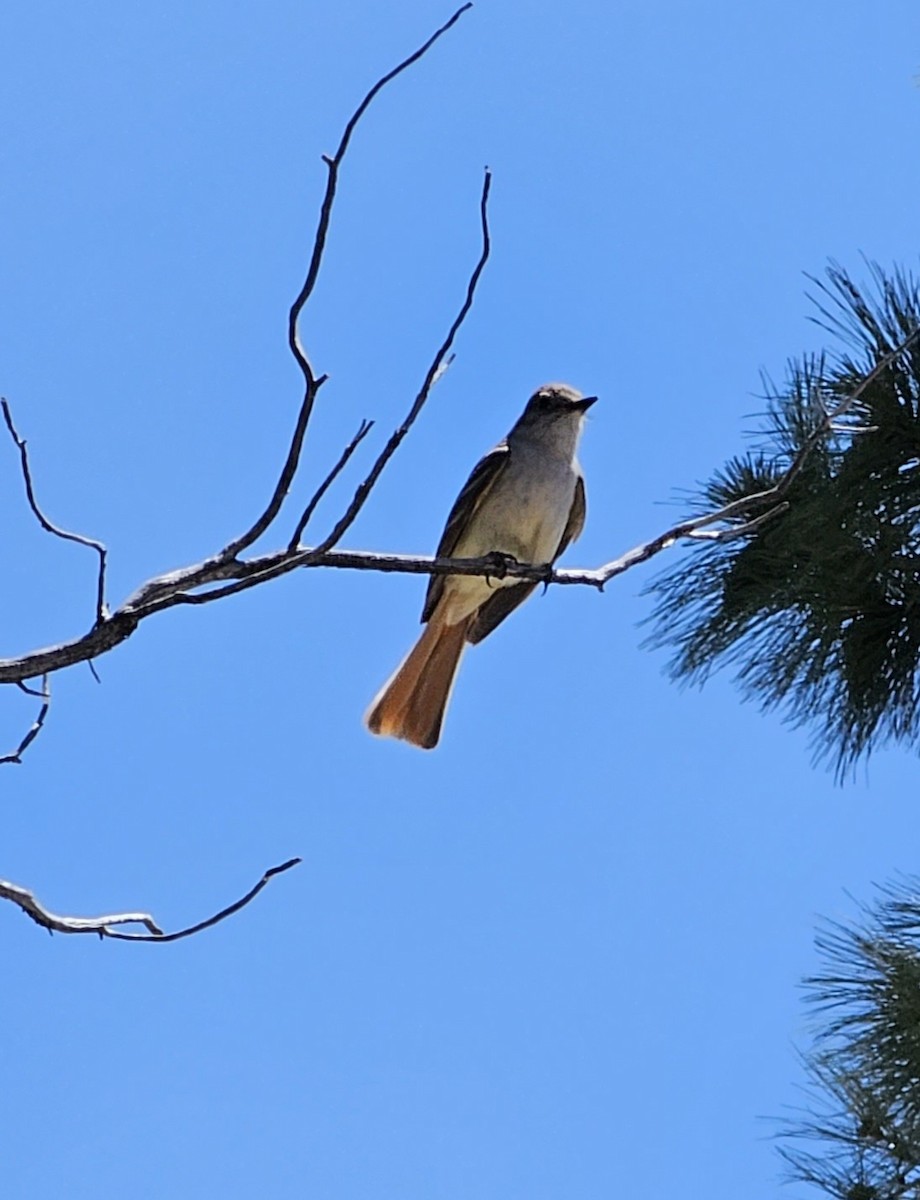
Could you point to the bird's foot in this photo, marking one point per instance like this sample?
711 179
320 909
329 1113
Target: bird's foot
501 562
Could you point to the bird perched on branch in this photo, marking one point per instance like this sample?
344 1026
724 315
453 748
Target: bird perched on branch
525 500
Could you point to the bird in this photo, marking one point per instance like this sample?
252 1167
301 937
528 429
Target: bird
524 500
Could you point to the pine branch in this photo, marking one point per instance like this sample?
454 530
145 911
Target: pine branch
818 610
859 1134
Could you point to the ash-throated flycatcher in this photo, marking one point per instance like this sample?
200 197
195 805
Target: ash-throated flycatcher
526 499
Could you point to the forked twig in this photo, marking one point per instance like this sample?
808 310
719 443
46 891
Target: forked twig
102 926
155 597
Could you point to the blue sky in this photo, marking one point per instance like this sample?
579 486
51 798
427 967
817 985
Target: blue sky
559 956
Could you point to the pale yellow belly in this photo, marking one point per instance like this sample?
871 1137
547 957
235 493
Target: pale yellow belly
520 518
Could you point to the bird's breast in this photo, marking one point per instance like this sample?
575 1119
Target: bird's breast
526 510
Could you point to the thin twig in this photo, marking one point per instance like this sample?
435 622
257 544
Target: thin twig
333 164
36 726
49 526
311 381
102 926
363 430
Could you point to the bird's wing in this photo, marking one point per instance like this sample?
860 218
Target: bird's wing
491 613
577 513
474 491
505 600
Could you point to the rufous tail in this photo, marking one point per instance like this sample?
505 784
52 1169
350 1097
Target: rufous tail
411 704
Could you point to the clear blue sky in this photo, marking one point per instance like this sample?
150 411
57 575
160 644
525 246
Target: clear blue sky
558 957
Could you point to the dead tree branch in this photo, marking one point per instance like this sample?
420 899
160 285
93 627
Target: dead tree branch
164 591
183 586
103 926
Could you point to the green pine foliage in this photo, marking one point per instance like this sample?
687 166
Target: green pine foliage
859 1136
818 607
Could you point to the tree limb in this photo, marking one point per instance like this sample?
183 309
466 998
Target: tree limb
102 926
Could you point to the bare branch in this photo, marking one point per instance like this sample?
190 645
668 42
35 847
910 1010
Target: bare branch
312 382
181 586
363 430
102 926
36 726
49 526
178 587
225 574
333 164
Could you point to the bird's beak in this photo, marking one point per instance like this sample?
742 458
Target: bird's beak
584 404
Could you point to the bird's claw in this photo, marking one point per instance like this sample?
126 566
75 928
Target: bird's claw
501 562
